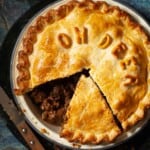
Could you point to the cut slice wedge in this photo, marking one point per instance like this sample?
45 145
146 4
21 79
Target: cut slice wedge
88 118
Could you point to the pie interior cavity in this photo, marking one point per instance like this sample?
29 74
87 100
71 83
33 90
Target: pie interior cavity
96 36
53 98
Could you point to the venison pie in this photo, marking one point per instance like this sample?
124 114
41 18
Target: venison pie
108 43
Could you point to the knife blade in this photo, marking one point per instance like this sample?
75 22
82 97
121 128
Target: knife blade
18 119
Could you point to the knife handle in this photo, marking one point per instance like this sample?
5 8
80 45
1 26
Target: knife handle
29 136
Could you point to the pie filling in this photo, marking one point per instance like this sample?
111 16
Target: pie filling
53 97
60 44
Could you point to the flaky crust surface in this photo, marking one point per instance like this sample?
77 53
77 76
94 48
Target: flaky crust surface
96 36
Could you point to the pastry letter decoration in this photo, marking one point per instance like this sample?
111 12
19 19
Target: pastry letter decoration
105 41
120 50
81 35
65 40
126 63
130 80
130 64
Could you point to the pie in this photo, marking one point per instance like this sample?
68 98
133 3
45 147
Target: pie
103 40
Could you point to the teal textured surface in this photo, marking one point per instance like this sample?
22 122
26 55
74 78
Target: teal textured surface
10 11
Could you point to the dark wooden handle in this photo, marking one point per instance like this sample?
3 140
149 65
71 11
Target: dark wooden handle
29 137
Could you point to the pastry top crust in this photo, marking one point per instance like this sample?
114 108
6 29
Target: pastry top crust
90 35
60 41
66 41
89 120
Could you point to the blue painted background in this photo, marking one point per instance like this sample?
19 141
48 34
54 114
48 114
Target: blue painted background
10 11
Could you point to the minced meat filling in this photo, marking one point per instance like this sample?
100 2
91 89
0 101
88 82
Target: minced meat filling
53 97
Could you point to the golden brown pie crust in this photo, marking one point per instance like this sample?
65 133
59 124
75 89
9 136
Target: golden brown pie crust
53 15
133 50
30 39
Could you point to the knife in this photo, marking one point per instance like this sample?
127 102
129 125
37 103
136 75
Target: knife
18 119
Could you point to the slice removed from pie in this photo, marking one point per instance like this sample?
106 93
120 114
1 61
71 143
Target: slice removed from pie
88 118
